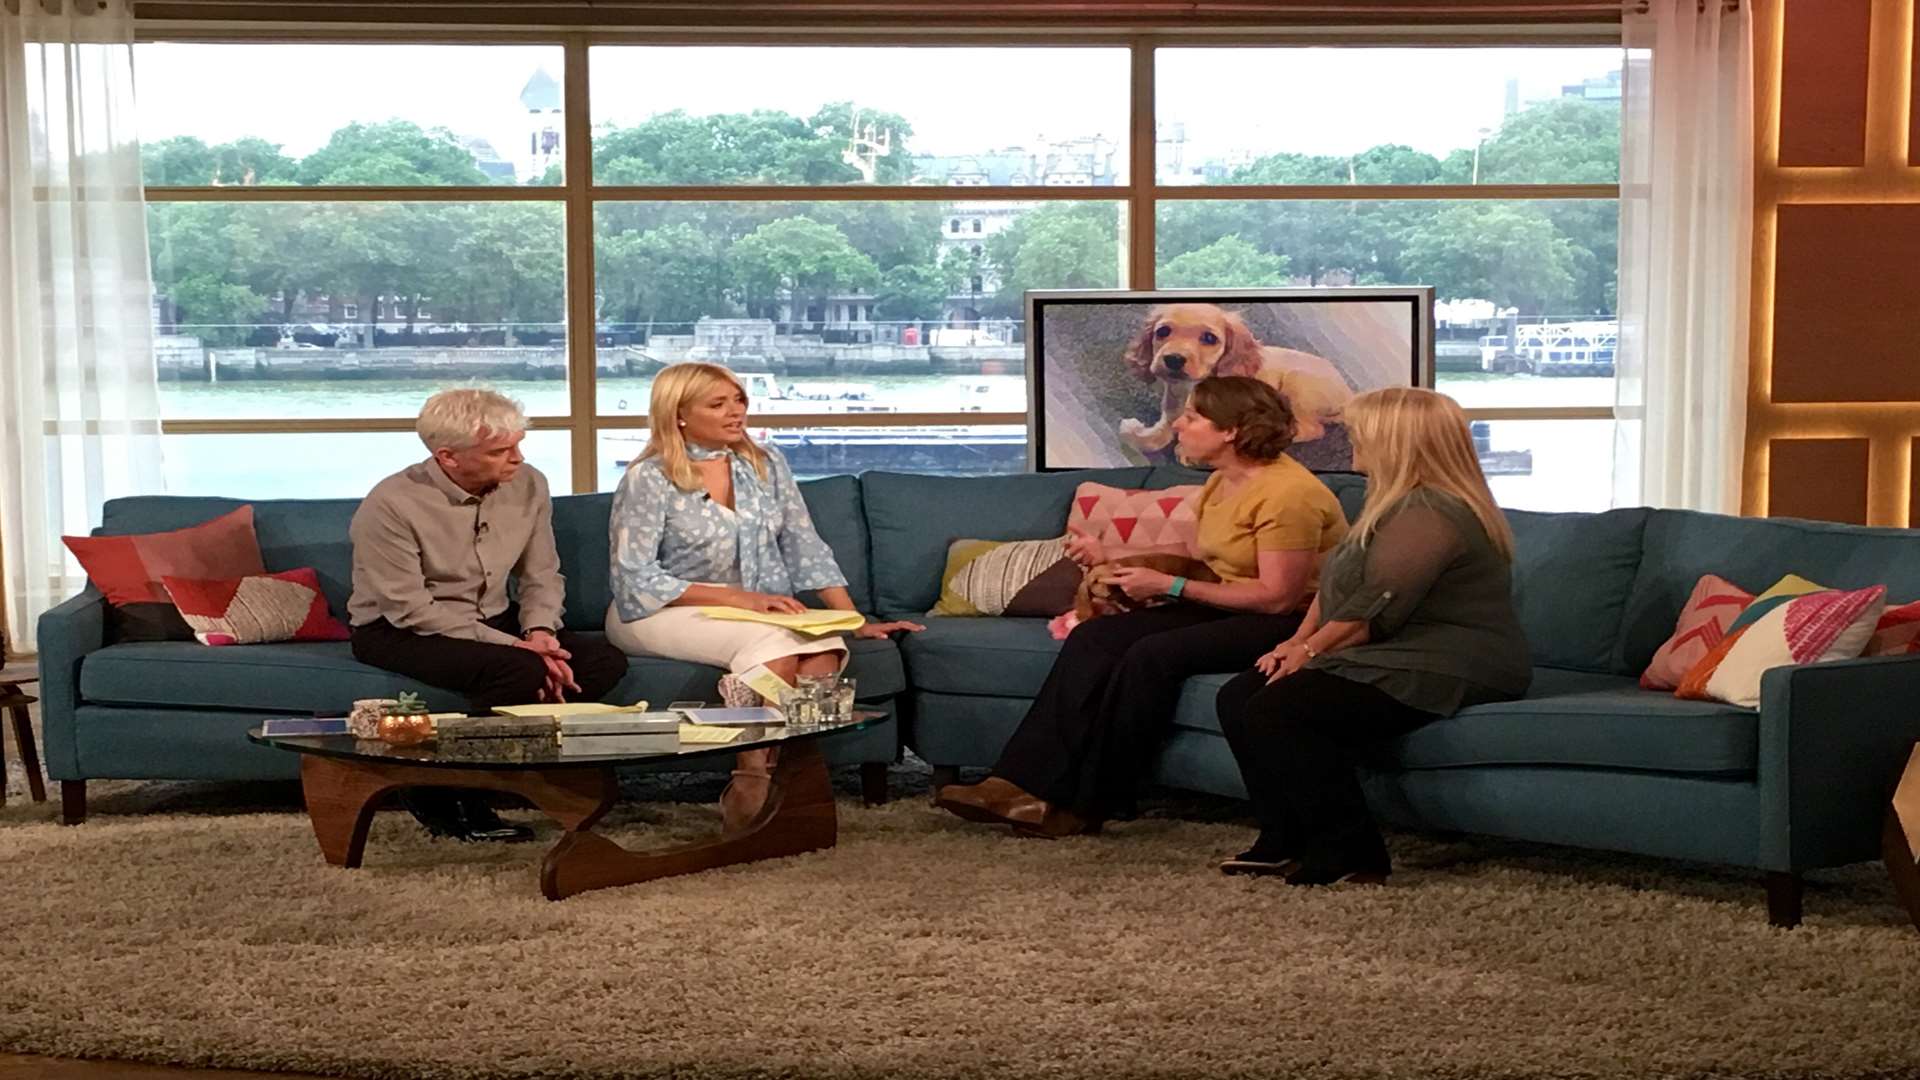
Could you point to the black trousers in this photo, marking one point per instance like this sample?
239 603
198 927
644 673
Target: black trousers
1298 742
487 674
1096 721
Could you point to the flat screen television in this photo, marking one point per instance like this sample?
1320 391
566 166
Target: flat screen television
1108 371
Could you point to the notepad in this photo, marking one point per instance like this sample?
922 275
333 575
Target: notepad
735 717
813 621
695 734
559 709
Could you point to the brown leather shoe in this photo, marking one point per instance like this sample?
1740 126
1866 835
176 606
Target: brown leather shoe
1038 818
985 802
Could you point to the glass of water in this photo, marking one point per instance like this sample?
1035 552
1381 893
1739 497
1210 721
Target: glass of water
843 701
803 706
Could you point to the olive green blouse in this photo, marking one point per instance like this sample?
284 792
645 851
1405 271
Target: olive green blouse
1437 598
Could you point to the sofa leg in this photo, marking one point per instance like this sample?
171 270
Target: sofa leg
944 775
873 782
73 802
1783 899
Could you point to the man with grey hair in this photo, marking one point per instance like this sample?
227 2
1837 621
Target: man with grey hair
434 546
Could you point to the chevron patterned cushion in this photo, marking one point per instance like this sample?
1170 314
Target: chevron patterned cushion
1898 632
1703 622
287 606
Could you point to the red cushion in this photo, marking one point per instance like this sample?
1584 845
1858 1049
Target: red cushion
287 606
129 569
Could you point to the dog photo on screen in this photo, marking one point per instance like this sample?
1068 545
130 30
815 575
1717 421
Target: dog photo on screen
1112 371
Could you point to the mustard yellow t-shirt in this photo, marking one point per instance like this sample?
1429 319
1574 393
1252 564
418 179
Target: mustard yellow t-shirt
1280 507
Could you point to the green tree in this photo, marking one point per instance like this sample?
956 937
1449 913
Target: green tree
1562 141
396 152
914 291
797 259
185 161
1509 254
506 263
1229 262
1058 246
760 147
673 274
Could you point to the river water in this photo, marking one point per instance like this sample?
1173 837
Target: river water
1572 460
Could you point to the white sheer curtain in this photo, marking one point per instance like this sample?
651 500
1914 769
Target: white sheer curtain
79 396
1686 240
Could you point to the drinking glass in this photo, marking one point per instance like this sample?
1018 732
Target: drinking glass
843 701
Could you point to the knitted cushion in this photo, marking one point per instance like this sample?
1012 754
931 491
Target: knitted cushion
257 608
1007 577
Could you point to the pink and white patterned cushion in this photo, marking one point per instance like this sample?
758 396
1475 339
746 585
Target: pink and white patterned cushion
1128 521
1810 629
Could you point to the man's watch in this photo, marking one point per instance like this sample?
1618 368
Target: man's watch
527 634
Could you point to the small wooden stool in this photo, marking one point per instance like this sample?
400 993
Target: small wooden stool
15 701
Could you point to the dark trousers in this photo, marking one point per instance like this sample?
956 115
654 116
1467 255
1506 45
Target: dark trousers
488 674
1298 742
1096 721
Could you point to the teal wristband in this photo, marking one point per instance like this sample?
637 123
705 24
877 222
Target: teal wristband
1179 586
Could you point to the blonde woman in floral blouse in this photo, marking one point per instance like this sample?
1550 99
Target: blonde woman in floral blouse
706 517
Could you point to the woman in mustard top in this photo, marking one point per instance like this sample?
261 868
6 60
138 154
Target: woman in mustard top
1264 524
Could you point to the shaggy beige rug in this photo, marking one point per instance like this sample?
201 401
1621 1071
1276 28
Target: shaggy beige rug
926 947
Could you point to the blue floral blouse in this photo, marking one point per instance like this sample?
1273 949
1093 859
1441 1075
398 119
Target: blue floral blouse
665 539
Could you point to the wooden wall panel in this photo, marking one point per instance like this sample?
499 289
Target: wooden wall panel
1823 82
1822 479
1913 92
1845 281
1913 484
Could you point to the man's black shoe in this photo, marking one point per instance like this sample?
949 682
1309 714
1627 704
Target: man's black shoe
479 822
437 810
459 815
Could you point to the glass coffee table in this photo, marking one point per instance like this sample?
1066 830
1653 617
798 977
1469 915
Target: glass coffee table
574 783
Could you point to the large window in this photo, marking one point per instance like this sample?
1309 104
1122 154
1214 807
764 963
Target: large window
850 227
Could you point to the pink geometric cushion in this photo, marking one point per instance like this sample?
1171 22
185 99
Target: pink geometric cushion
1715 603
258 608
1128 521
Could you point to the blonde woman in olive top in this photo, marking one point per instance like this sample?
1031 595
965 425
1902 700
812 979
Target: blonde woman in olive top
1264 524
1415 620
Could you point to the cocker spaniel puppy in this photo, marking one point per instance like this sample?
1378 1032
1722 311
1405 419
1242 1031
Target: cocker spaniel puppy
1181 344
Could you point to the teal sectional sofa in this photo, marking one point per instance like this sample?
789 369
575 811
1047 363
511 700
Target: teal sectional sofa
180 710
1586 759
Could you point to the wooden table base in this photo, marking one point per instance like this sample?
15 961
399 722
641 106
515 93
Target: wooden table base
798 816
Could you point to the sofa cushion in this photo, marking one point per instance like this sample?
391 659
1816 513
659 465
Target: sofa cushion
1753 553
1571 576
292 532
1569 718
580 535
995 656
911 519
292 677
323 677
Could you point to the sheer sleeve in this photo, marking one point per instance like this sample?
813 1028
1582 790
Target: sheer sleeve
809 561
641 585
1409 551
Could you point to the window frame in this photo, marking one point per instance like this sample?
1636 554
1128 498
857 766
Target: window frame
1140 195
